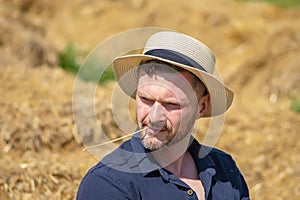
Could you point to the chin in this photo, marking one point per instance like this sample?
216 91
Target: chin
154 144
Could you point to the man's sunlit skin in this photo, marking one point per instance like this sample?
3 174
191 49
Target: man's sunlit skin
162 101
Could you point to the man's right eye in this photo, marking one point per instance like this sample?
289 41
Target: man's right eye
146 100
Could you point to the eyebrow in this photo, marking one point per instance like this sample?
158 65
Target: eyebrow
168 100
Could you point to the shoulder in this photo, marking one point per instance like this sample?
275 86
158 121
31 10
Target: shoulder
213 157
113 163
103 182
228 171
108 178
221 157
221 161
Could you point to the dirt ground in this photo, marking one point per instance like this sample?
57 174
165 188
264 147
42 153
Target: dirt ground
257 47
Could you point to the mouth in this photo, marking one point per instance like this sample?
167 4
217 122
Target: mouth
154 131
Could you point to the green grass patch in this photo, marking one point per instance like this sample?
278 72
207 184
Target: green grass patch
107 75
296 104
282 3
71 58
68 58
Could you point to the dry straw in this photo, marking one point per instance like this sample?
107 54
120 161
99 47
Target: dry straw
114 140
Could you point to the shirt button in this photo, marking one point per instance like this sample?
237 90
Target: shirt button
190 192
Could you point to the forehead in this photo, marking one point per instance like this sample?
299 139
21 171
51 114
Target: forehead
177 83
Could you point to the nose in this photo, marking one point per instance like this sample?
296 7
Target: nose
157 115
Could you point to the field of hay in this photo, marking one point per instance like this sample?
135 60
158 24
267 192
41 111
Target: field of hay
257 47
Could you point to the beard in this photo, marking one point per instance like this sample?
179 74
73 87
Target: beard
164 137
156 136
152 143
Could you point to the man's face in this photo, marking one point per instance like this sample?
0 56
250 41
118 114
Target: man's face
166 106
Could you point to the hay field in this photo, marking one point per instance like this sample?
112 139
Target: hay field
257 47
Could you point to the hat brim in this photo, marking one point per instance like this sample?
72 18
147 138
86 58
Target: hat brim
125 70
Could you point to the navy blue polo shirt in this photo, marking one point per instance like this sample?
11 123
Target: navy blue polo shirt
131 173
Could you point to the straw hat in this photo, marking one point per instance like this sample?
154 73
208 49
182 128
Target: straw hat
180 50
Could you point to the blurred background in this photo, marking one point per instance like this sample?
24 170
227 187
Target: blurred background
42 43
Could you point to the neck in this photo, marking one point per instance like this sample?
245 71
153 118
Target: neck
173 157
177 167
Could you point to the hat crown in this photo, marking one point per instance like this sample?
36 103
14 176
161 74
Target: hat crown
182 51
182 44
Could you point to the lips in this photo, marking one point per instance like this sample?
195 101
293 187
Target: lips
154 131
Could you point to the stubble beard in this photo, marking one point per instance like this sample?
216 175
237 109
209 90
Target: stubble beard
152 143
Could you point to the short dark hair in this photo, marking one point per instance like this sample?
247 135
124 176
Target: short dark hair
152 66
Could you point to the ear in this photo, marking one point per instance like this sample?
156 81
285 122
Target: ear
203 104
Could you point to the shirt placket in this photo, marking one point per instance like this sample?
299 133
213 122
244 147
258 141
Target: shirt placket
206 178
190 194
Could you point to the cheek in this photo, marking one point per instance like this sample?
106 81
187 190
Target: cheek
175 118
141 110
181 118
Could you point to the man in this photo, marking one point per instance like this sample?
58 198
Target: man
173 85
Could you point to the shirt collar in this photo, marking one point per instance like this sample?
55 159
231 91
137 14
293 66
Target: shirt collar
200 154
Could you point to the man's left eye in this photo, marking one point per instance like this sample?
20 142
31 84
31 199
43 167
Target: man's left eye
172 106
